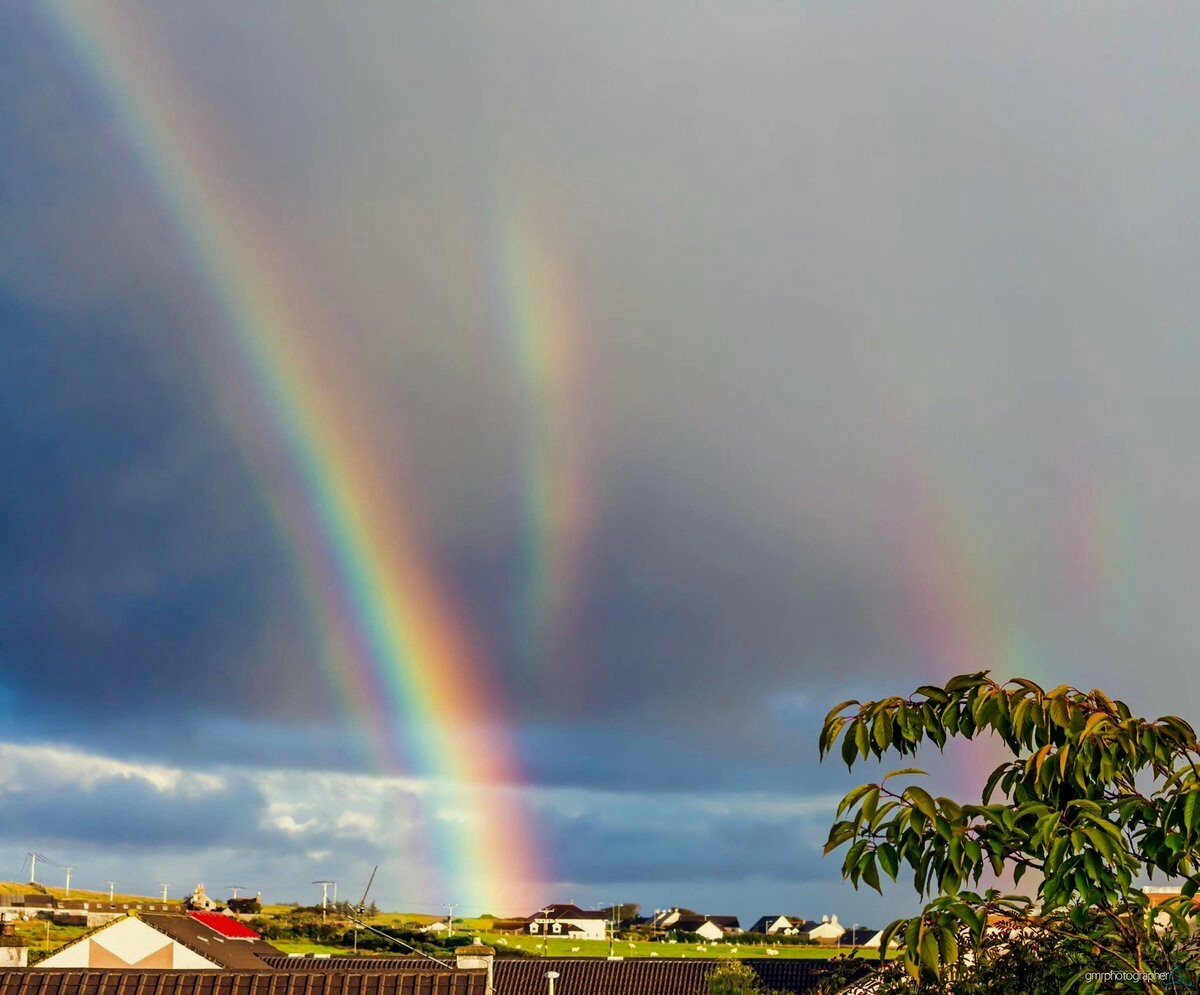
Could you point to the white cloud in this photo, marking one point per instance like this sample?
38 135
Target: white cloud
23 767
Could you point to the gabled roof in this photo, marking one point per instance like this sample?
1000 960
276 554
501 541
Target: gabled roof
666 976
581 976
233 953
222 952
31 981
566 911
762 922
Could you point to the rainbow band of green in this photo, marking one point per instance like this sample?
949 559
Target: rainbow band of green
396 649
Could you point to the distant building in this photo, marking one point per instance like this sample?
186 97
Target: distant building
686 921
199 901
829 930
770 925
13 951
246 906
568 920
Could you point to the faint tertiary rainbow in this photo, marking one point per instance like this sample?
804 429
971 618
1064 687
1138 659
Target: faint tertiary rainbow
545 343
400 653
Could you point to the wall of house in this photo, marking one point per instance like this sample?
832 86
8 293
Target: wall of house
128 943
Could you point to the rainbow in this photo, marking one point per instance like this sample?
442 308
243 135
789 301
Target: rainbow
544 339
398 651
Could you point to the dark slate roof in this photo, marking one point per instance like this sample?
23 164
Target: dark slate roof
281 962
585 976
233 953
726 922
666 976
567 912
48 982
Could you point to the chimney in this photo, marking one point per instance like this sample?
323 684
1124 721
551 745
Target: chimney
13 952
477 957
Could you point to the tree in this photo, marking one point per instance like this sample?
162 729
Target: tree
735 978
1091 799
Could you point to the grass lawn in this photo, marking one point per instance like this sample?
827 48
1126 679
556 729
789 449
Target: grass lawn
566 947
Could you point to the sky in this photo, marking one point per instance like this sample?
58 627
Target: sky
721 361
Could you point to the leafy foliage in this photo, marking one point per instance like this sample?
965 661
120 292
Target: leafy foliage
1091 799
735 978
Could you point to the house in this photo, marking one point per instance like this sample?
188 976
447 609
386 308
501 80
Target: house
829 930
568 920
876 939
246 906
709 927
770 925
858 937
196 941
199 901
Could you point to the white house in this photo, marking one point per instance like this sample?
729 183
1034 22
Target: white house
874 941
771 925
198 941
828 931
569 920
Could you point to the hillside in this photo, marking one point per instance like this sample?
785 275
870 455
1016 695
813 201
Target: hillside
16 888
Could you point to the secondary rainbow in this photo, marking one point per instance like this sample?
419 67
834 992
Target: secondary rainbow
398 649
545 339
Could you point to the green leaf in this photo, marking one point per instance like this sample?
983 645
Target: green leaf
849 749
862 738
929 951
905 771
870 873
922 800
853 797
948 947
888 860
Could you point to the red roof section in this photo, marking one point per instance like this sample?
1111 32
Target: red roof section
225 925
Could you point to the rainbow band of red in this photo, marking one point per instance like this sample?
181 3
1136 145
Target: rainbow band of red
397 649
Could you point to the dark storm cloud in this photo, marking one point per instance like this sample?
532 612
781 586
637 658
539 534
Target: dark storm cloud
885 317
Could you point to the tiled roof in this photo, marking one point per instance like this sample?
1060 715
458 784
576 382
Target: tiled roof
424 982
527 976
282 962
582 976
234 954
567 912
225 925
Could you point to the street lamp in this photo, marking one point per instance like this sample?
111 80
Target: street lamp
551 976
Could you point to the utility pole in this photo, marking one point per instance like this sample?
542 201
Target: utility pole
449 920
612 929
67 892
111 887
32 868
324 897
164 888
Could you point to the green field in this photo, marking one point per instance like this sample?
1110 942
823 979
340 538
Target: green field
42 937
566 947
